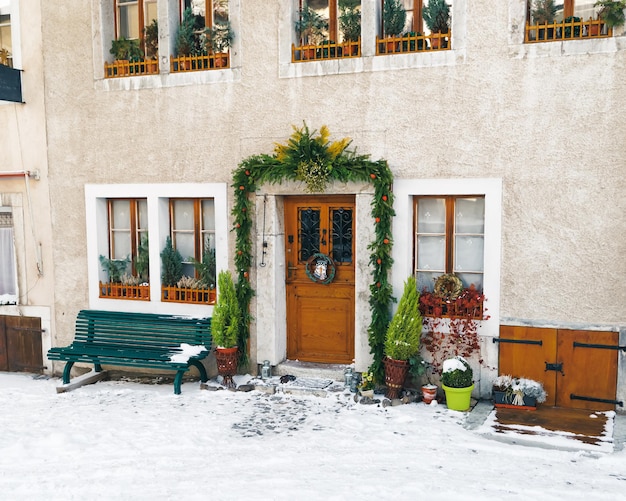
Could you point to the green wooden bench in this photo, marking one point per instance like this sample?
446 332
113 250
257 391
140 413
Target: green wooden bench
136 340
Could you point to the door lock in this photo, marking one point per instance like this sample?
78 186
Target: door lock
555 367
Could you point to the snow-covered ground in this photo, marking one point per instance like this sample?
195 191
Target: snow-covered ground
119 440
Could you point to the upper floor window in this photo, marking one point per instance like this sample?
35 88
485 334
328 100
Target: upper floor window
414 26
135 47
572 19
327 29
204 36
6 45
449 238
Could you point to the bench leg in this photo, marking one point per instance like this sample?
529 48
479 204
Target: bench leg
177 381
198 365
66 372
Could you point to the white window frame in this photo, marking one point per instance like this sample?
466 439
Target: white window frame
157 196
402 253
9 263
12 8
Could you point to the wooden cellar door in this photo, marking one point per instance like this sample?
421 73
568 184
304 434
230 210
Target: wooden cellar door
20 344
319 241
577 368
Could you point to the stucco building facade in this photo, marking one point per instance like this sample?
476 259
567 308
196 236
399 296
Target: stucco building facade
533 130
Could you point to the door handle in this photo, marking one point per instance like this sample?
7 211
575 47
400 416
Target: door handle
290 269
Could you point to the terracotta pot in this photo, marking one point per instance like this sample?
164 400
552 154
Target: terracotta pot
429 393
227 359
395 374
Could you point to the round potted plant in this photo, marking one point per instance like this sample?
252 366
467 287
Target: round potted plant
436 15
611 12
402 341
457 382
225 327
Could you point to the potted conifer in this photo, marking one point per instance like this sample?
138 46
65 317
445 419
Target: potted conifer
402 341
225 327
436 15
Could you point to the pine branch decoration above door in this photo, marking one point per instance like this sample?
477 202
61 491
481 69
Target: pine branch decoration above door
311 157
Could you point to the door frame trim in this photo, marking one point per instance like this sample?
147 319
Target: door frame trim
268 331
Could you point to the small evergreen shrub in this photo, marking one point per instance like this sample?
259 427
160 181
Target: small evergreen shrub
457 373
403 334
226 314
172 264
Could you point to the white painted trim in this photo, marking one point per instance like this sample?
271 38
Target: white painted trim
158 227
491 188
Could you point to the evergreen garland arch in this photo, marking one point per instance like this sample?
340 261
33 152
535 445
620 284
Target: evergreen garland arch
311 157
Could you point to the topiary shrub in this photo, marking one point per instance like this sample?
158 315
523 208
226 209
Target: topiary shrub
226 314
457 373
172 263
403 334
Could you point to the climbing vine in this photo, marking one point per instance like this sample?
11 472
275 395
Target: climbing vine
311 157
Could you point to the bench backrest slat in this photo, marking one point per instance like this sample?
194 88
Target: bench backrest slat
140 330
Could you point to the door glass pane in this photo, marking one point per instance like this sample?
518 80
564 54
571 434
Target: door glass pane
308 232
183 215
431 215
342 235
469 214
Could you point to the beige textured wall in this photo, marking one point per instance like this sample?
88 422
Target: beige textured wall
545 120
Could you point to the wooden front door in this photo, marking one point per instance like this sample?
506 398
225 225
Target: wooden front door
577 368
20 344
320 316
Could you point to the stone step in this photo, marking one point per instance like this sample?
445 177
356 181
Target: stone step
310 370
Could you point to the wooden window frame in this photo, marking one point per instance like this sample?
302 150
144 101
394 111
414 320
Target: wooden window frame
135 229
450 231
208 8
199 231
418 21
140 17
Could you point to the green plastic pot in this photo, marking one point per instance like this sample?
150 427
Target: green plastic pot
458 399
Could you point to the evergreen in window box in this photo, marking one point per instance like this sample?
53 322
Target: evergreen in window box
437 18
518 393
350 25
151 40
310 26
172 264
219 38
114 268
612 12
544 12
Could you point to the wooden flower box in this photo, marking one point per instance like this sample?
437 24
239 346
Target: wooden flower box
120 291
188 296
